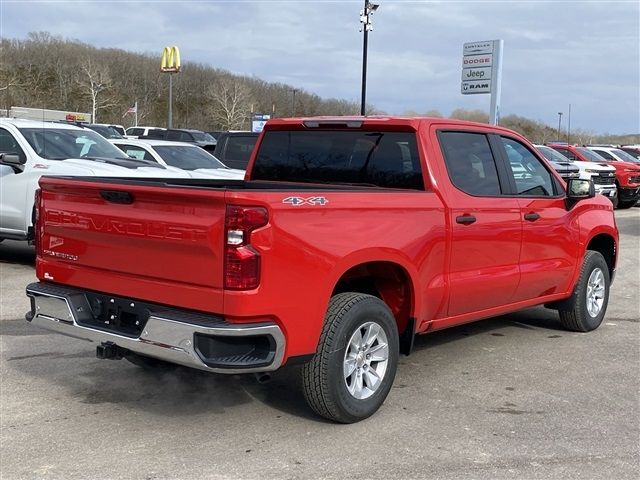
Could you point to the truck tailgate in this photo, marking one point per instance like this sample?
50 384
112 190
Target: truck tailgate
157 243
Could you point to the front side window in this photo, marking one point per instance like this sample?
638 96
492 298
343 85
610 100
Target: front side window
470 163
590 155
382 159
60 144
8 144
187 157
605 154
530 175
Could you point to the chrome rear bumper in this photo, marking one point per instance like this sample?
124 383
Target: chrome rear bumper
175 336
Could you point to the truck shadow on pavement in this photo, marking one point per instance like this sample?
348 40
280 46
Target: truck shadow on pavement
184 392
17 252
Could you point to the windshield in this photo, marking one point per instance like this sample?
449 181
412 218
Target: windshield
590 155
187 157
61 144
202 137
625 156
552 155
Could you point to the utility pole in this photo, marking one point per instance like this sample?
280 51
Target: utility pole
559 123
365 19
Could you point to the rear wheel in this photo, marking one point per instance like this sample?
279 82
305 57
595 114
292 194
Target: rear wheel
354 367
591 295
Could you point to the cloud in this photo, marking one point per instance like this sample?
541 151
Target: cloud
584 53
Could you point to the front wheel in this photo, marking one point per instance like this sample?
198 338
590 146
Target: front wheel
353 369
591 295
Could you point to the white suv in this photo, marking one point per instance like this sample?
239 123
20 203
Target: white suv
186 156
30 149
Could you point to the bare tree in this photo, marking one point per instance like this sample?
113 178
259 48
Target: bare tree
230 103
95 84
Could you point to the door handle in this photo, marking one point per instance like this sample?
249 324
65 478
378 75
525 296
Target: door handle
531 216
465 219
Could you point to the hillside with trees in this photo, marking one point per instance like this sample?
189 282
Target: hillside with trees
46 71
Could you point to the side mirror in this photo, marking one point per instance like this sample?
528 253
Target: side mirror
13 160
579 189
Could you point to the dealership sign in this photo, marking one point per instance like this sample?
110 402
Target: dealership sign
482 71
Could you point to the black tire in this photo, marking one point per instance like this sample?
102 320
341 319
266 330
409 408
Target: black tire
615 201
579 319
149 363
324 384
626 204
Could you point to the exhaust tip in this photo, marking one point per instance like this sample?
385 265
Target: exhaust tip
263 378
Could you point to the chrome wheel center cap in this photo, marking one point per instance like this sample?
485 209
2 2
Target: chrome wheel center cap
360 360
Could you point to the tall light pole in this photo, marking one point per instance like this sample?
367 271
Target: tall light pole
293 102
365 19
559 123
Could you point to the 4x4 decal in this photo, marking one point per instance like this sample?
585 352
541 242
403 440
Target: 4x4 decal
298 201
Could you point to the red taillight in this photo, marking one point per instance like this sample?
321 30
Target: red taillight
37 221
242 261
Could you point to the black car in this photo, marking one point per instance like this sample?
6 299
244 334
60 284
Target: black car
234 148
197 137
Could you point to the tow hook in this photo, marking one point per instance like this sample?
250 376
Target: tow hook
110 351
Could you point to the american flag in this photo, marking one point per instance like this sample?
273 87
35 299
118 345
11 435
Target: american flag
133 109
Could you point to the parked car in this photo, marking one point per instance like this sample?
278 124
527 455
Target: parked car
30 149
625 191
196 137
565 167
603 176
346 240
107 131
633 150
234 148
118 128
614 154
185 156
135 132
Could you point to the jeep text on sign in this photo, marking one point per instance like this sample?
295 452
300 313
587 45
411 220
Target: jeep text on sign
482 73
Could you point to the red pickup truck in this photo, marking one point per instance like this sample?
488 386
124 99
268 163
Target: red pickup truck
348 237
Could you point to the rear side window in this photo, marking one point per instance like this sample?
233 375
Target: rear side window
135 152
470 163
383 159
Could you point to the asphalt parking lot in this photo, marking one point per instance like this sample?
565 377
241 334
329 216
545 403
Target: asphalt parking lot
509 397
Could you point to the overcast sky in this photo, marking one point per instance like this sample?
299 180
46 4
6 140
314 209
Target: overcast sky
583 53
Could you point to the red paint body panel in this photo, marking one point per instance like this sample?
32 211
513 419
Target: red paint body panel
167 246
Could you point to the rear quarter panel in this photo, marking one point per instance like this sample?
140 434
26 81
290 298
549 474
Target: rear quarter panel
306 249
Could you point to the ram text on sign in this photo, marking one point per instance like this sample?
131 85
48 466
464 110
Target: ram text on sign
482 73
477 61
471 87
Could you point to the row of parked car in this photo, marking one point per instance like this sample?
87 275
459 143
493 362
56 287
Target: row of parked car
30 149
233 148
615 171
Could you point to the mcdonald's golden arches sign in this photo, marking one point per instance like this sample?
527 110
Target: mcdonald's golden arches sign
170 60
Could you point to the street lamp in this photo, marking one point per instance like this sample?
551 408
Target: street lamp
559 122
365 19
